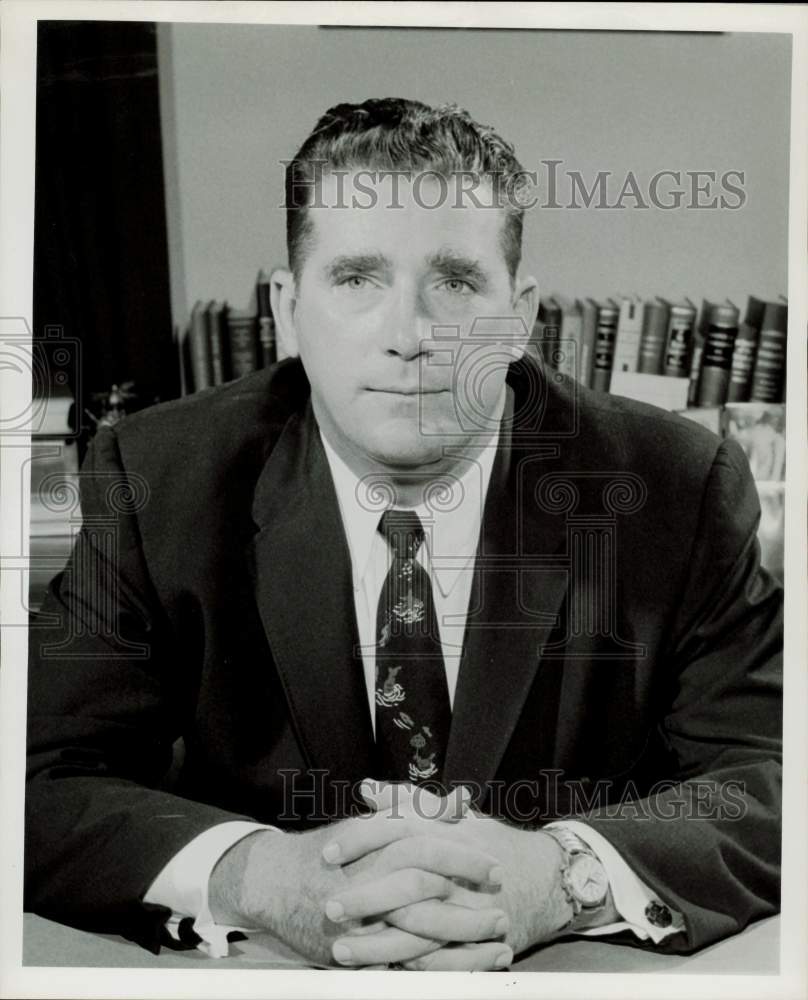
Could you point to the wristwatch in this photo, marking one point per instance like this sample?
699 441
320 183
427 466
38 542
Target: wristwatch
583 877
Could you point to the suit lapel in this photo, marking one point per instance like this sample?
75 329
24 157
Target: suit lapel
520 581
303 586
302 575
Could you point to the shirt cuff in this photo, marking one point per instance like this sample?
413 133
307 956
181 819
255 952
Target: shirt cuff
630 894
183 884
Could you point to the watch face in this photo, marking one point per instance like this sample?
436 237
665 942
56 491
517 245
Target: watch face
588 880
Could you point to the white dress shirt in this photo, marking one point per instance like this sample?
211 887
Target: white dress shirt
451 528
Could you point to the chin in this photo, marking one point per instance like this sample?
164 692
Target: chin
406 447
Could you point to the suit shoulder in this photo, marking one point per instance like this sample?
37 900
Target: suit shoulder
645 435
216 422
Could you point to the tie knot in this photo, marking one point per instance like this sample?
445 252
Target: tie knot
403 532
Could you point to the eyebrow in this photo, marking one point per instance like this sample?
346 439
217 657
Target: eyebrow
447 262
452 264
356 263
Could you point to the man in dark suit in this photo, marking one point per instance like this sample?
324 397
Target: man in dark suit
411 554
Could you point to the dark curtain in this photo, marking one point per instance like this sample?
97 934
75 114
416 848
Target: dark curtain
100 255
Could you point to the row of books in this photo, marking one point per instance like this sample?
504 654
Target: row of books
223 343
666 353
716 357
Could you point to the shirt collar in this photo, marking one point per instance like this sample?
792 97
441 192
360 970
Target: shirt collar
451 520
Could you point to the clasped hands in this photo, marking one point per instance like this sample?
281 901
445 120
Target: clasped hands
421 883
436 908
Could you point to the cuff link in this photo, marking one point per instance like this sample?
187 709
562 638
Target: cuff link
658 914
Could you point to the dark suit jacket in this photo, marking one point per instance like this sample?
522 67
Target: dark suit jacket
621 634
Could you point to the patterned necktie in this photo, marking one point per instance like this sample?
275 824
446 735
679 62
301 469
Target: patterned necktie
413 712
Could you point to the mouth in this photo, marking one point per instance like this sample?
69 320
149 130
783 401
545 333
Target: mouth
409 392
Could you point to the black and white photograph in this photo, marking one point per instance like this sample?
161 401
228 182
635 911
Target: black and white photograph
403 482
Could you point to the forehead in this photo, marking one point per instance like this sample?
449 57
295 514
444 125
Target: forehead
407 219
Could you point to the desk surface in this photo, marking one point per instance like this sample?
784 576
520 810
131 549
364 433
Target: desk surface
755 950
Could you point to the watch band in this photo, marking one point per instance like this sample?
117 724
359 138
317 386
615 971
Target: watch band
570 842
572 845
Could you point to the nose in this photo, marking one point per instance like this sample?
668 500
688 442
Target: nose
407 325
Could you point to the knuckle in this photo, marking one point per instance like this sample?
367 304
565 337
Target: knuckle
423 963
422 883
428 852
395 853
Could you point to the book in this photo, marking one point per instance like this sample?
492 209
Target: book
548 330
629 334
243 339
605 333
768 375
743 354
219 350
589 325
696 350
677 342
266 321
654 336
182 343
569 347
719 343
760 429
199 343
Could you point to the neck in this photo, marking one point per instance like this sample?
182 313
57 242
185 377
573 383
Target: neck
408 485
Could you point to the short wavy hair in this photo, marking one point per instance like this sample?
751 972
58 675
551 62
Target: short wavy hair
393 133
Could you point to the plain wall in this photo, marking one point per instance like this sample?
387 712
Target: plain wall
237 99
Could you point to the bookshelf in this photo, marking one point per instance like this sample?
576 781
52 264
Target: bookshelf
706 364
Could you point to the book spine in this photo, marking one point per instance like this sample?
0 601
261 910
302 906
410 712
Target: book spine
218 346
768 375
743 363
266 321
549 331
629 334
200 349
677 345
589 326
266 336
652 341
243 345
696 355
604 346
719 341
571 344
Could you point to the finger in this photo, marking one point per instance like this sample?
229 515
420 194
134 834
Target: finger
458 803
484 957
359 837
388 945
453 859
371 927
398 797
444 921
399 888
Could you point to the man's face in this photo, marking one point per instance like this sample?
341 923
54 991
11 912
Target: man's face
405 320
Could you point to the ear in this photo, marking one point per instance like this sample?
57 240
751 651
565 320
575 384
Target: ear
283 296
526 307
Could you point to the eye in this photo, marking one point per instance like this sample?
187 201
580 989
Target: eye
354 282
457 286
